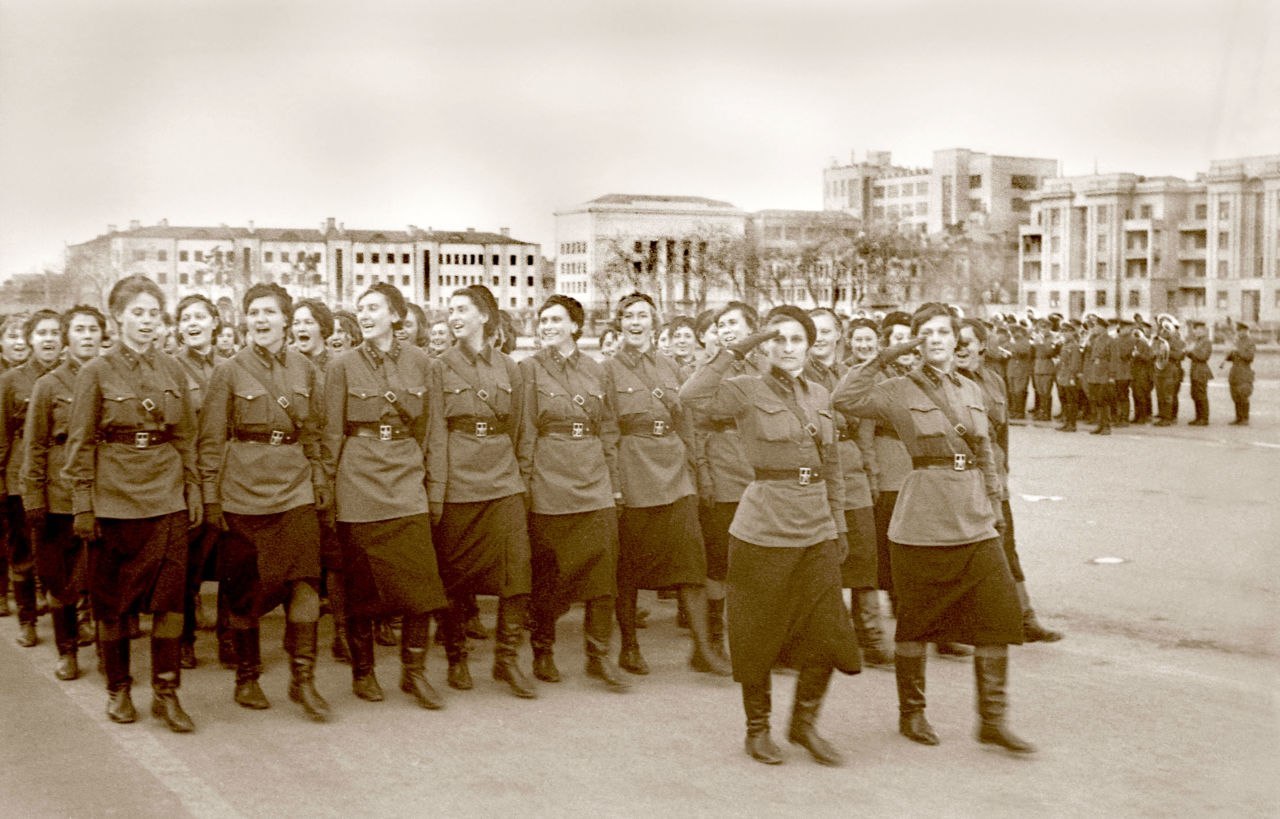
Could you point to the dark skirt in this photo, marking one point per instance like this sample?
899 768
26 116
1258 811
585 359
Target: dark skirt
786 605
61 561
389 567
883 508
16 541
139 565
715 520
859 569
261 556
661 546
575 557
330 546
1010 545
956 594
483 548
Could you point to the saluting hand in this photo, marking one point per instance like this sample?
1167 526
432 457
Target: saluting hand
741 348
890 354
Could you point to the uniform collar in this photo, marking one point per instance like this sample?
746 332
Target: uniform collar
376 356
633 359
564 360
132 358
787 381
485 354
264 355
205 360
937 376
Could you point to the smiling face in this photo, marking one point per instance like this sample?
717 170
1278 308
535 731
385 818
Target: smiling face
226 341
84 336
266 322
196 325
865 343
900 334
789 349
339 340
682 341
13 345
939 346
466 322
636 322
46 341
140 321
732 327
968 350
306 331
408 331
824 343
711 340
438 338
555 329
375 317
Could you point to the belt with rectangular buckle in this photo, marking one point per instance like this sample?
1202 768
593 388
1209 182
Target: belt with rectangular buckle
378 431
802 475
574 429
275 437
958 462
479 427
138 439
658 428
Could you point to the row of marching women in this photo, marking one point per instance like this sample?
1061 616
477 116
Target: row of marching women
754 467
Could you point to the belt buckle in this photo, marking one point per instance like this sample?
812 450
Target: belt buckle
277 437
390 397
148 405
578 429
384 432
959 462
141 439
659 428
482 429
806 475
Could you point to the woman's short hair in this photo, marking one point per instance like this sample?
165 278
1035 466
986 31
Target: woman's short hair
571 305
129 288
269 290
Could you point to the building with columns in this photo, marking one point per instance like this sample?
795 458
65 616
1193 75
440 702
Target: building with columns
1118 244
680 249
331 262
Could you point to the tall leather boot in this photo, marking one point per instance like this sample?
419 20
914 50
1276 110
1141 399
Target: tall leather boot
248 692
24 594
1032 630
543 639
114 651
338 610
811 688
66 633
629 657
597 634
757 702
84 619
166 678
300 641
704 657
506 651
414 634
226 638
866 624
715 628
453 624
364 684
910 672
991 675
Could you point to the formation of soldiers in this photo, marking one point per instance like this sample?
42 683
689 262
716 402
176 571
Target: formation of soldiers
397 465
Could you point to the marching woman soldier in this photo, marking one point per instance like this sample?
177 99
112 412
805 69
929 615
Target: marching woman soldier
855 441
43 332
59 554
660 545
786 538
263 484
375 455
475 489
198 325
568 445
13 351
131 463
949 570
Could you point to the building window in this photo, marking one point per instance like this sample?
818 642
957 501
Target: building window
1055 244
162 255
183 278
531 280
1224 208
877 192
1032 298
1224 269
359 278
404 258
1224 240
359 258
162 278
1202 211
1055 217
1100 298
1145 211
1101 270
975 180
1222 300
285 278
1102 214
404 280
1135 298
513 261
1054 299
182 255
139 255
268 257
376 258
199 256
529 261
495 260
1055 271
922 188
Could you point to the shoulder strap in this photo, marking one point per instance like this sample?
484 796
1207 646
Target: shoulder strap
958 429
281 401
789 401
149 405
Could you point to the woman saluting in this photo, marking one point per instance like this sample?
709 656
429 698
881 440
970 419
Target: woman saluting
131 463
375 454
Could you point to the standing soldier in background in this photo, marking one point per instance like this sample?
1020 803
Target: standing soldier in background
1070 369
1018 371
1122 369
1200 350
1044 349
1143 372
1098 376
1166 362
1240 377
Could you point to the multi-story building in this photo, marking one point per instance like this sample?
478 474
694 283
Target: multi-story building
683 250
801 257
331 263
1117 244
961 187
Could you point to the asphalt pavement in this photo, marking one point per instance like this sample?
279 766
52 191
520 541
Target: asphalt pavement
1153 549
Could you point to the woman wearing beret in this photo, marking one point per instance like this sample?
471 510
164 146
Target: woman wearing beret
263 484
568 447
473 483
949 570
660 542
131 464
374 450
786 539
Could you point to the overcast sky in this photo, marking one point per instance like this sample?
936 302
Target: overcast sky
482 114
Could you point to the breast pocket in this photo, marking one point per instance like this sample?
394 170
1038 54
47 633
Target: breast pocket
826 427
501 399
978 423
928 420
775 422
172 406
120 410
413 399
61 412
365 406
251 406
631 401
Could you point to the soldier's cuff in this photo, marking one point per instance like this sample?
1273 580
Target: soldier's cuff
81 501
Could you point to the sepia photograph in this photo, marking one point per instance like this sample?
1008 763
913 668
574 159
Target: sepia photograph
706 408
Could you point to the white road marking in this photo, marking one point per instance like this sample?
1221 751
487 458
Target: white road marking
1035 498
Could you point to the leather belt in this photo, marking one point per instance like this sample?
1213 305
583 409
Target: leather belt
802 475
574 429
719 425
653 429
275 437
380 432
138 438
477 426
959 463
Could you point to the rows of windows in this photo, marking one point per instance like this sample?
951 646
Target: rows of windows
381 258
1133 298
887 191
567 248
571 287
905 211
573 268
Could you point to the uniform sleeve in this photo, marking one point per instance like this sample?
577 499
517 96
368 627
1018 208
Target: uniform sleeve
35 459
857 395
833 477
609 432
437 435
528 435
335 410
185 432
6 430
212 445
82 433
313 427
866 441
708 394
